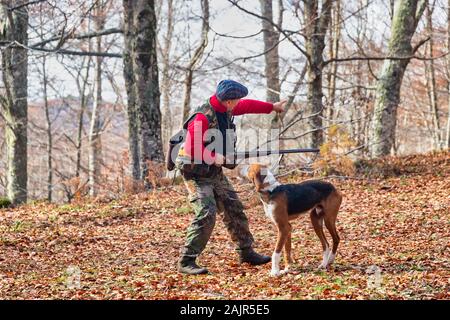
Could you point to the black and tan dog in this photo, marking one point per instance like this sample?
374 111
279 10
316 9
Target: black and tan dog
283 203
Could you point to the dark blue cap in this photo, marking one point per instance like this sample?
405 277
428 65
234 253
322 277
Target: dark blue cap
230 89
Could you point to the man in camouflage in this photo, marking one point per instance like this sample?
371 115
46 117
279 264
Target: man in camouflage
209 190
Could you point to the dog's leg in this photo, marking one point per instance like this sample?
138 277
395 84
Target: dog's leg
288 251
283 231
331 212
317 222
330 224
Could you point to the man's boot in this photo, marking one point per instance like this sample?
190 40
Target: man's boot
250 256
187 265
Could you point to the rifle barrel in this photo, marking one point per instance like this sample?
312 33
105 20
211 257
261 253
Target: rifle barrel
260 153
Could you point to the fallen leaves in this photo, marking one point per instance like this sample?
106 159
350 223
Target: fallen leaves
396 220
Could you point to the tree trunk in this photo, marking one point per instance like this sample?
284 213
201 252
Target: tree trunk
165 83
128 71
447 139
15 102
95 146
83 104
49 132
272 61
431 83
335 35
272 64
384 120
48 120
316 28
145 67
195 59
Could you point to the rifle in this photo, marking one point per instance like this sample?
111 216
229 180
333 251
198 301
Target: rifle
231 159
261 153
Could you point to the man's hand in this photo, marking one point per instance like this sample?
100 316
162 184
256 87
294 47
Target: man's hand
279 106
219 160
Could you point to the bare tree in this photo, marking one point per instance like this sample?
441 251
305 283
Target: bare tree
95 143
45 81
15 99
447 139
316 24
142 75
196 57
165 81
132 112
384 121
431 81
335 35
271 37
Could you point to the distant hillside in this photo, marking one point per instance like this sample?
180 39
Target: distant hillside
64 115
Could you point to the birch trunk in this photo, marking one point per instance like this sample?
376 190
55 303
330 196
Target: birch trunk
406 16
15 100
335 35
83 104
95 146
165 83
49 132
431 84
48 121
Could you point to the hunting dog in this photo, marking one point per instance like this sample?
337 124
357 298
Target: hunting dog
283 203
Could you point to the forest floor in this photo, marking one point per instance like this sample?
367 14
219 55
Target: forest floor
394 228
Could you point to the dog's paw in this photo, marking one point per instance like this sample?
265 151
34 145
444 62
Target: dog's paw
322 266
275 273
283 272
331 258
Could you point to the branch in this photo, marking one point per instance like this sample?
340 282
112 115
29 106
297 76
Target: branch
421 42
384 58
204 39
291 97
284 32
80 53
16 44
241 58
26 4
79 37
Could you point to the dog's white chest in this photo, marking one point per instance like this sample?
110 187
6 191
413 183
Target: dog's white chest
269 210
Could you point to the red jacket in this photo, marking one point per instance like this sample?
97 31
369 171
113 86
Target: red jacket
198 126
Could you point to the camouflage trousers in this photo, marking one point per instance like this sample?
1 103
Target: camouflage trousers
209 196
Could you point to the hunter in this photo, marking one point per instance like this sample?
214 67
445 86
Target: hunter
209 190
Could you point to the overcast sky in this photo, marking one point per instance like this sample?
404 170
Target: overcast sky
225 19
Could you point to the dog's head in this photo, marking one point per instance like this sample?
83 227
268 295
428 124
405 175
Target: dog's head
261 176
